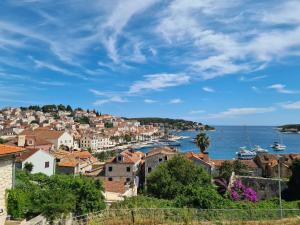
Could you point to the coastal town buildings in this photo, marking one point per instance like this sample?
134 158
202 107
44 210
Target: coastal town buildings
157 156
124 167
7 170
74 162
41 161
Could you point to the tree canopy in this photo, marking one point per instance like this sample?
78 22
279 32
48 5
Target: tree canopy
292 192
185 182
202 141
54 196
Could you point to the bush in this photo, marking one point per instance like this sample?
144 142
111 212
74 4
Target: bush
54 196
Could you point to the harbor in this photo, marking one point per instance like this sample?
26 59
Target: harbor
226 141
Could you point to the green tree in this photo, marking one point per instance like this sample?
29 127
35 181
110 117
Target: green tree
69 108
292 192
108 125
226 169
202 141
61 107
28 167
170 179
2 141
18 203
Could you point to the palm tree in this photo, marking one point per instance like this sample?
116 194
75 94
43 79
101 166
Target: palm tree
202 141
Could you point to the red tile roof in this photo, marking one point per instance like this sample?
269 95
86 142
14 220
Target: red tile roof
26 154
114 186
7 149
128 157
164 150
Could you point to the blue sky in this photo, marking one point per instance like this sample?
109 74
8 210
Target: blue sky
232 62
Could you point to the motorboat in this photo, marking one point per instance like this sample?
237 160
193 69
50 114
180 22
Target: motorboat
245 154
277 146
259 149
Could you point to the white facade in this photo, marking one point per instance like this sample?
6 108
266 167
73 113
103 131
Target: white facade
42 162
65 139
96 142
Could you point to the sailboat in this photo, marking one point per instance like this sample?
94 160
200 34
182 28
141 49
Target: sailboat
278 146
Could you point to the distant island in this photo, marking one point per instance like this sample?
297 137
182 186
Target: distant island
289 128
173 124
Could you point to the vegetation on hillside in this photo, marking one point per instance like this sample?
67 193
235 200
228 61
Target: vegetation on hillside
54 196
172 124
290 128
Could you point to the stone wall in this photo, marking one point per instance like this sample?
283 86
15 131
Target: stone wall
266 188
6 173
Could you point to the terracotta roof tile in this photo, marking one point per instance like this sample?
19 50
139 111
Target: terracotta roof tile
26 154
114 186
164 150
8 149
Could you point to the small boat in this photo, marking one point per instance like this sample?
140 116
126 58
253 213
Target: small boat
278 147
259 149
245 154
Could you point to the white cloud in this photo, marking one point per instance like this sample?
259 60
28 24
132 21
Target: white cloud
197 111
291 105
175 101
116 99
248 79
255 89
208 89
149 101
234 112
110 97
281 88
158 82
119 18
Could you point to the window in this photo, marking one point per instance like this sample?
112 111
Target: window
127 179
110 168
149 169
160 159
110 179
47 164
128 168
119 158
166 157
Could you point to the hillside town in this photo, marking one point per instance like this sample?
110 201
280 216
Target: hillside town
58 140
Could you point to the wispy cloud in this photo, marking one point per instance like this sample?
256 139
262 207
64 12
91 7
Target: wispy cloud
281 88
235 112
196 112
249 79
110 97
291 105
175 101
159 82
208 89
149 101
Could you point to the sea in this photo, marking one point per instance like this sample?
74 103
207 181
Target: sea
226 140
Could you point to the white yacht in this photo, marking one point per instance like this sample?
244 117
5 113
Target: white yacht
278 147
244 153
259 149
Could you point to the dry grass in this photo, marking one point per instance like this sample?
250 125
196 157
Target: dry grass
291 221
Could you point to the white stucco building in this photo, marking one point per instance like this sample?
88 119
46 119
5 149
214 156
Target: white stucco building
42 161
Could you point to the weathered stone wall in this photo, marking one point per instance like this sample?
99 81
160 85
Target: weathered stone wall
6 173
266 188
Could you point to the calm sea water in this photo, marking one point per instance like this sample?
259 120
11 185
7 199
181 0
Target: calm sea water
227 140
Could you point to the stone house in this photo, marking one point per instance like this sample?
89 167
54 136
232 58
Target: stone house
269 163
124 167
7 169
42 161
118 190
74 162
157 156
202 160
252 167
